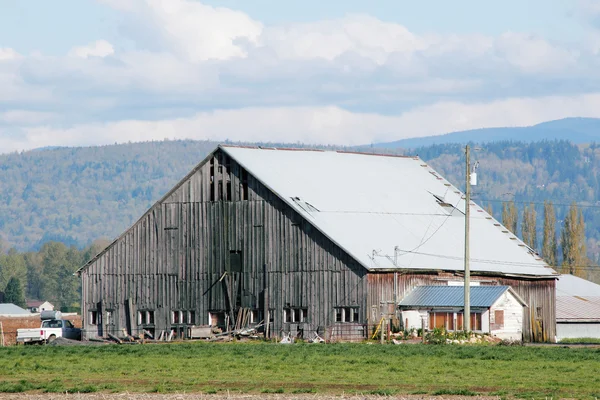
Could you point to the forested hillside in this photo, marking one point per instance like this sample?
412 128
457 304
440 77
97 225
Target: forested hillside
576 130
77 195
529 174
55 202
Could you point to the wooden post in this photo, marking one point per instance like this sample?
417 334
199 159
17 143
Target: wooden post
266 316
467 312
132 325
382 331
423 329
100 314
1 335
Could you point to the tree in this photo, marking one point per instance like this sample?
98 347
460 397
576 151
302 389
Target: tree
529 226
573 243
12 265
549 245
14 293
489 209
510 216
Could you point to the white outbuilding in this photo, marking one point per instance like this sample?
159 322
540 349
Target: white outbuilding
495 310
577 308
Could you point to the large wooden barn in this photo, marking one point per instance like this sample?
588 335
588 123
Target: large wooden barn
307 241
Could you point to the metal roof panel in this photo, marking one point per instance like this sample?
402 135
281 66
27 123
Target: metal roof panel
452 296
12 309
570 285
371 205
573 309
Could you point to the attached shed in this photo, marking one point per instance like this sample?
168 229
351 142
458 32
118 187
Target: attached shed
577 308
496 310
304 241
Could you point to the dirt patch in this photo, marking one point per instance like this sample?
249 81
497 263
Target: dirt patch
70 342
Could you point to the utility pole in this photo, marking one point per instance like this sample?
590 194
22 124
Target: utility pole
467 311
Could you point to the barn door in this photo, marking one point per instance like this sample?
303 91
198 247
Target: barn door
537 325
171 221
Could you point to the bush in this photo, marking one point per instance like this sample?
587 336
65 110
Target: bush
436 336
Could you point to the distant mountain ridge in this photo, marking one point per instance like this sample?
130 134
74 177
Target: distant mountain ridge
575 130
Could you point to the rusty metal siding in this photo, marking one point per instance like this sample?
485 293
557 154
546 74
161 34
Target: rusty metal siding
174 256
539 295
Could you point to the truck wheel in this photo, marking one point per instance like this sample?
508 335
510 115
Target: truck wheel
51 338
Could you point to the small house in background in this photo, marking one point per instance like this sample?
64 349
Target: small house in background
37 306
577 308
496 310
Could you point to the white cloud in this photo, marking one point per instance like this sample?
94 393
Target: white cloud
6 53
193 30
588 8
320 125
533 54
25 117
361 34
184 69
99 48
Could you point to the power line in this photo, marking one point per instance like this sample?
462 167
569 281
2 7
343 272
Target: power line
538 203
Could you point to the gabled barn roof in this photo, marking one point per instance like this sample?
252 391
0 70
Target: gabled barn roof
453 296
389 212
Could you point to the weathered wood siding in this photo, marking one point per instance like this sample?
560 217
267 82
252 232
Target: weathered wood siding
510 327
174 258
539 295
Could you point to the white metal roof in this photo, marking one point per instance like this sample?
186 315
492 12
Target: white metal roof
369 205
577 300
12 309
570 285
578 309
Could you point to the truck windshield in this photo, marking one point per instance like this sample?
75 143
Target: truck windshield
52 324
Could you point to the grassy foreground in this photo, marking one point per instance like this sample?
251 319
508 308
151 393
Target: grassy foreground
523 372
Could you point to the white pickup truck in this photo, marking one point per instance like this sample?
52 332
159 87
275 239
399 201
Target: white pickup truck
52 327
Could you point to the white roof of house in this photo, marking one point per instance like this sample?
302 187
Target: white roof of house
12 309
369 205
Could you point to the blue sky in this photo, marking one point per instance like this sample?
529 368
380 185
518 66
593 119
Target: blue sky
83 72
50 26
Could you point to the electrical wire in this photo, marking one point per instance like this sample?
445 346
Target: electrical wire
537 203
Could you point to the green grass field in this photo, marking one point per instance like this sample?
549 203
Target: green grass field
506 371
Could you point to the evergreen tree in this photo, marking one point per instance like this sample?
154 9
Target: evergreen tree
529 226
549 245
573 242
14 293
510 216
